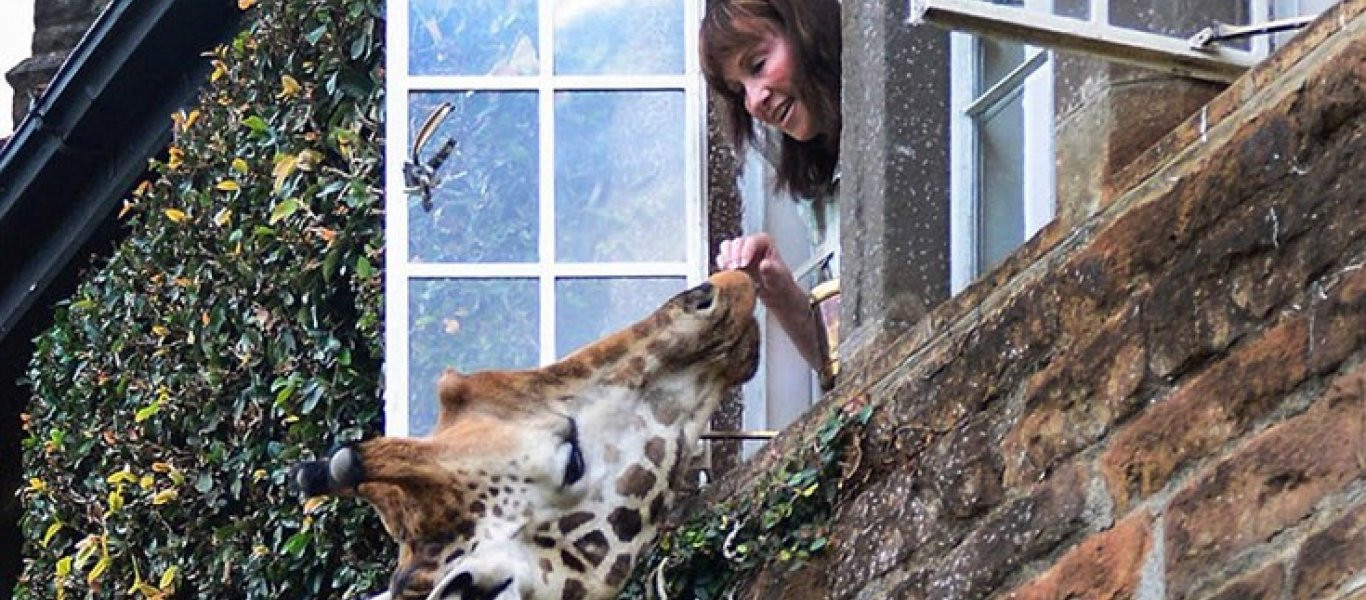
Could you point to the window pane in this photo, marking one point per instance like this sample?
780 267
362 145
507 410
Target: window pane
485 207
1177 18
472 37
468 325
619 176
1001 202
1077 9
998 59
590 308
598 37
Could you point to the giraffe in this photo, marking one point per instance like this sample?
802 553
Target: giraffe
547 484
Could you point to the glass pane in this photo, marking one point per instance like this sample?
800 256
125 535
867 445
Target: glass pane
1177 18
588 309
597 37
1001 187
472 37
998 59
1077 9
619 176
485 206
469 325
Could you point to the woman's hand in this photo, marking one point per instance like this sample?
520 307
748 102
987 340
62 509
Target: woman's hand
756 255
778 289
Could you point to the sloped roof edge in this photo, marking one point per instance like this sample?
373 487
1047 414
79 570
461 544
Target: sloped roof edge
89 136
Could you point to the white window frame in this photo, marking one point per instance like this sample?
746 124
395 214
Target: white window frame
1034 79
400 272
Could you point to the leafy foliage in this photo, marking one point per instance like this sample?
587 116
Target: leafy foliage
234 332
781 521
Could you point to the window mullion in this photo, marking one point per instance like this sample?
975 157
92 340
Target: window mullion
546 248
396 265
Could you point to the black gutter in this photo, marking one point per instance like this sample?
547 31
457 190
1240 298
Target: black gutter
66 169
87 140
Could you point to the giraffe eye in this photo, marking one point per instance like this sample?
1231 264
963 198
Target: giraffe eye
573 467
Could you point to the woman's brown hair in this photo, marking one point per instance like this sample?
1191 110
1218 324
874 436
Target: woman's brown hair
812 28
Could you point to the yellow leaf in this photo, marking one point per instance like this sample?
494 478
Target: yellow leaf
63 567
240 166
164 497
168 577
98 570
146 482
314 503
245 4
258 475
36 485
175 157
190 119
115 501
284 165
123 475
228 185
127 206
142 189
309 159
50 533
219 70
222 218
146 590
160 330
289 86
260 550
162 467
176 215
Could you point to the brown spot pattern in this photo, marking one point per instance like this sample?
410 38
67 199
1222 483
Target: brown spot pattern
621 569
625 523
574 564
636 482
593 546
573 590
571 522
654 450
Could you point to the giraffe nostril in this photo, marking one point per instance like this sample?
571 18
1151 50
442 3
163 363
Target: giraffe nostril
701 297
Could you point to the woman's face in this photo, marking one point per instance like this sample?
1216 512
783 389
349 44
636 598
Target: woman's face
762 73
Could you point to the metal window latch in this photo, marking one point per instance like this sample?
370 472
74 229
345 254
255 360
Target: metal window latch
420 177
1222 32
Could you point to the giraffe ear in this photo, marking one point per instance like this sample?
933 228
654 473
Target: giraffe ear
451 389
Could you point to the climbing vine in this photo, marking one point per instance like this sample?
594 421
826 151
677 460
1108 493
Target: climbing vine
782 519
233 332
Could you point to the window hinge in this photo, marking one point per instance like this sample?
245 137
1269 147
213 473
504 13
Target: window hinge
1223 32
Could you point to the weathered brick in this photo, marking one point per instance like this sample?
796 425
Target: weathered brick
1265 583
1270 484
1075 400
1106 566
1332 557
964 469
1020 531
1211 409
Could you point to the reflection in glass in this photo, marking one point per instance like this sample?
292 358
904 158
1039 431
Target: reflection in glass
472 37
619 176
485 208
468 325
616 37
1001 186
590 308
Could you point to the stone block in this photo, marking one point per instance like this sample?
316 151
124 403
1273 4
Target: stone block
1105 566
1271 484
1205 413
1084 391
1332 557
1265 583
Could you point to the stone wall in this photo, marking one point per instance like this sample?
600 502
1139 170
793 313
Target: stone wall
1165 398
58 26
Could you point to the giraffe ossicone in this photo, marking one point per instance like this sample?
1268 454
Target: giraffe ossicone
547 484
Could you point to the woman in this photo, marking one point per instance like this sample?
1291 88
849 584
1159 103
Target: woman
778 62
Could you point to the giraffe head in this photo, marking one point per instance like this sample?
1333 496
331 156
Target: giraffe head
548 483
